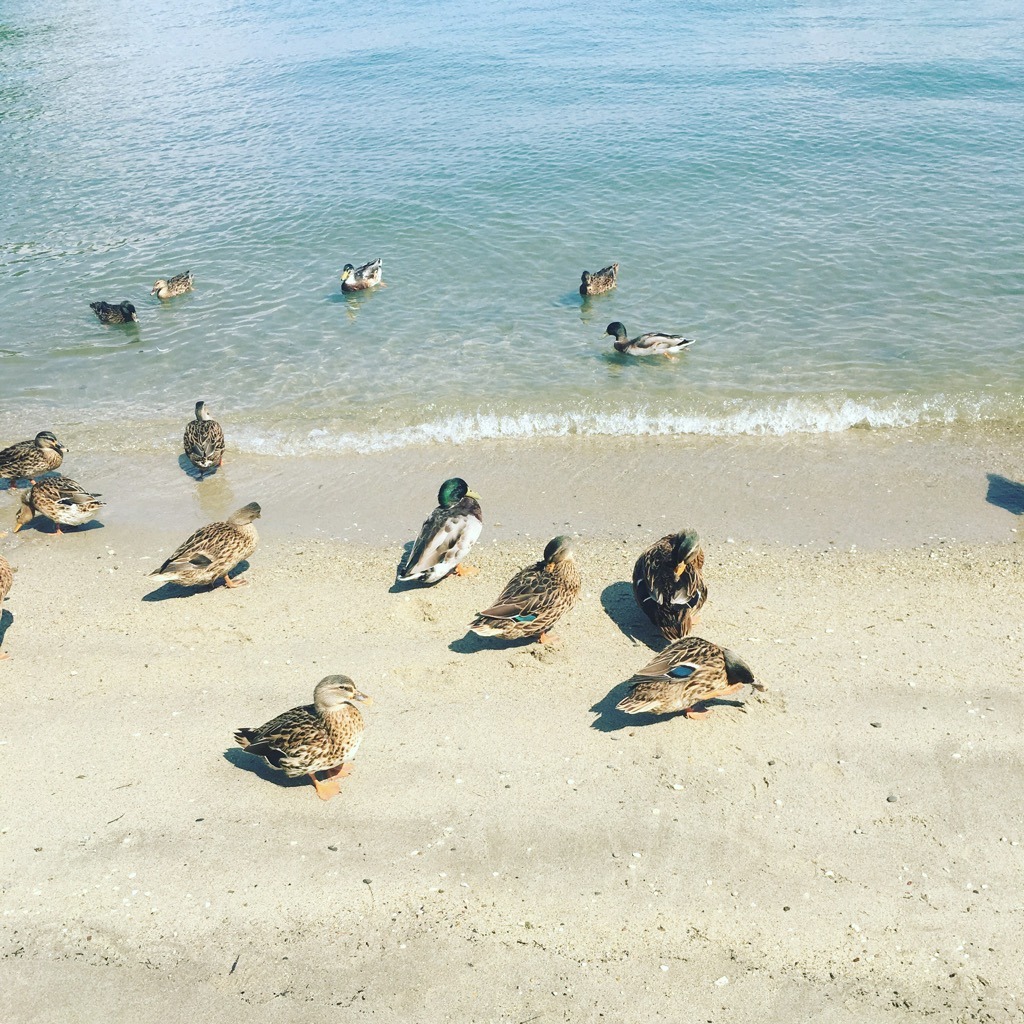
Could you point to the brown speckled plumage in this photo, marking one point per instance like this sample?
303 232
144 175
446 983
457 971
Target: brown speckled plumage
600 281
318 737
204 440
167 288
686 673
213 551
535 598
108 313
61 500
668 583
29 459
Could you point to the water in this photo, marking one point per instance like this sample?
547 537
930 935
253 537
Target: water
831 201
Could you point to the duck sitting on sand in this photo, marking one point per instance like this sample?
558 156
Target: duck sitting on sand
167 288
60 500
686 673
204 440
213 551
358 279
28 459
321 737
600 281
535 598
652 344
668 583
446 537
122 313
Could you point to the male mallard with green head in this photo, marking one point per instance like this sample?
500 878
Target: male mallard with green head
600 281
686 673
358 279
446 537
535 598
28 459
653 344
167 288
321 737
204 440
668 583
213 551
60 500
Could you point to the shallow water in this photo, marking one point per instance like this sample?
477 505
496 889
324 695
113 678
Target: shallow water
830 202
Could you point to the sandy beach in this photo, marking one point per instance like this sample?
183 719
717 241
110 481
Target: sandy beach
842 847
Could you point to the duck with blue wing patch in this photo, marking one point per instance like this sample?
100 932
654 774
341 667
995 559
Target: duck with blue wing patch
535 598
686 673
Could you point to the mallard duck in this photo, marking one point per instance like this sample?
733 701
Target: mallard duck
204 440
357 279
653 344
446 537
213 551
29 459
6 580
60 499
535 598
319 737
167 288
601 281
687 672
668 583
123 313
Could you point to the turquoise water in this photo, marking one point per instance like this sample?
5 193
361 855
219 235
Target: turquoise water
829 199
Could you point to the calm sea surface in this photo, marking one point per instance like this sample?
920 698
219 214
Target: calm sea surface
828 197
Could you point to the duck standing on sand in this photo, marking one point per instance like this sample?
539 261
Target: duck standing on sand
358 279
29 459
668 583
204 440
599 282
61 500
446 537
687 672
123 313
213 551
6 580
167 288
319 737
652 344
535 598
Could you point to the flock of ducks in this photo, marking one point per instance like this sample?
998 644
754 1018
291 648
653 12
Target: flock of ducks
371 275
319 740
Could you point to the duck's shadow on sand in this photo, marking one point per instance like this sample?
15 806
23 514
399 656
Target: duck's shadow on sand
620 606
172 591
40 524
398 587
254 765
6 618
471 643
186 465
610 719
1005 493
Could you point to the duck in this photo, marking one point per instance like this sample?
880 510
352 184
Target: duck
668 583
446 537
358 279
61 500
213 551
167 288
535 598
686 673
319 737
653 344
26 460
204 441
599 282
6 581
122 313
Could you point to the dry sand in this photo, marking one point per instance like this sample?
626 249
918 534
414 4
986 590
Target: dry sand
847 846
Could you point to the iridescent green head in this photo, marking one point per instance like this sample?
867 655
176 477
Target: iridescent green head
684 544
453 491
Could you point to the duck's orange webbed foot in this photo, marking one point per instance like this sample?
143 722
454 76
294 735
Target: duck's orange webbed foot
325 790
239 581
466 570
